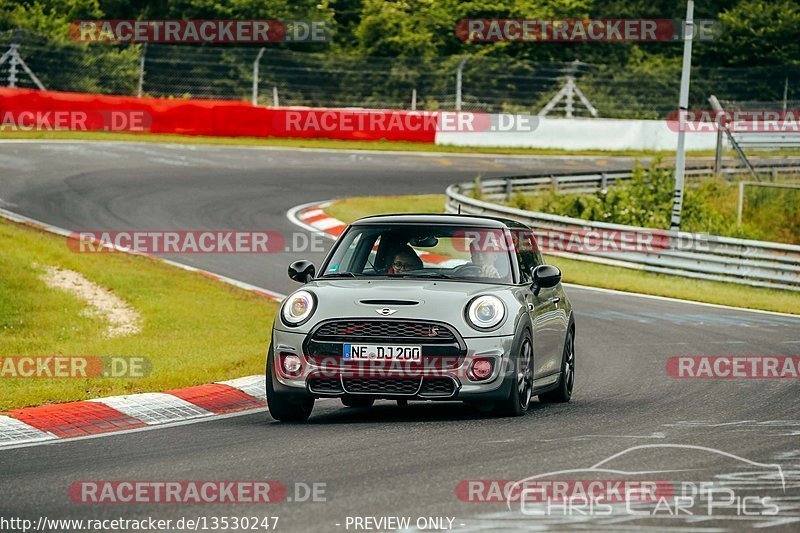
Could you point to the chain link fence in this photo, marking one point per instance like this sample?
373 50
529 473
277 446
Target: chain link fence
489 84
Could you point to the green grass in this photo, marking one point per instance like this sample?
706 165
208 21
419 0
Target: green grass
194 329
586 273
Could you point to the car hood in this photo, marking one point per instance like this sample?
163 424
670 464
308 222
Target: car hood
442 300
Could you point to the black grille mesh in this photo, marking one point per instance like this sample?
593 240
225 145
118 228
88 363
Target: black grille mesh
360 329
325 385
381 385
437 387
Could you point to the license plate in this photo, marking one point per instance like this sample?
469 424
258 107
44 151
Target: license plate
381 352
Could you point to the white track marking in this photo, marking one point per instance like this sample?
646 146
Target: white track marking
12 430
154 407
255 386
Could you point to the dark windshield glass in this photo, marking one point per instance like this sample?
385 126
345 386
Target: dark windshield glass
414 251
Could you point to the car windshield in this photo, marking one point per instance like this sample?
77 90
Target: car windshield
419 251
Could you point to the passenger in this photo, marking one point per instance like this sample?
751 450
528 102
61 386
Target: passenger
405 260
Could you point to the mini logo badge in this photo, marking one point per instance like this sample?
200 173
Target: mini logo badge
385 311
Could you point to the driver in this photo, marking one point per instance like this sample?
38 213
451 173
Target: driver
404 260
485 259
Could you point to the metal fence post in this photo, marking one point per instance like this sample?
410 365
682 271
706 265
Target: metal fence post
142 57
413 99
459 72
683 105
785 92
275 101
741 203
255 75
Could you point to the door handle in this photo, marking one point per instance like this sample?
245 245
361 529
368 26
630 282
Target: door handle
555 299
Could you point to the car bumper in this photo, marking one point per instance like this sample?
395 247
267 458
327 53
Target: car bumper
418 385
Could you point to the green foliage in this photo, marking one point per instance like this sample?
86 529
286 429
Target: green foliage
477 188
710 206
382 49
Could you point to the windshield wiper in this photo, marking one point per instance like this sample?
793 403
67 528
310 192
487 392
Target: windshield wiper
435 275
341 275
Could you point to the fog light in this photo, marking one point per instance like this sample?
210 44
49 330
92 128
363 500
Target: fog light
481 369
292 364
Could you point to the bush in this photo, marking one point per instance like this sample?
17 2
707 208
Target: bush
710 206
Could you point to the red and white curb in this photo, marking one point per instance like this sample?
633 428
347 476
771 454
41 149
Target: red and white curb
118 413
313 218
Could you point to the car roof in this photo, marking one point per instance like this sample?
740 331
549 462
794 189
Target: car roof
439 219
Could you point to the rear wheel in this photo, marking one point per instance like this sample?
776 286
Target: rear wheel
521 391
284 407
357 401
563 393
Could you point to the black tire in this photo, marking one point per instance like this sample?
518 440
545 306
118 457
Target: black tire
283 407
357 401
521 390
563 393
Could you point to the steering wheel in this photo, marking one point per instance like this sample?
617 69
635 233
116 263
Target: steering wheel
469 270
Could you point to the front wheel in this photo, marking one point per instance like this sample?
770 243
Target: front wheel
521 391
563 393
283 407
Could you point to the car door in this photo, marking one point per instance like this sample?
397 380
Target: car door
547 313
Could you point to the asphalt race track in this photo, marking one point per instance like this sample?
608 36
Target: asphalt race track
391 461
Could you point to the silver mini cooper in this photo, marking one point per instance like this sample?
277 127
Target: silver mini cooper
424 307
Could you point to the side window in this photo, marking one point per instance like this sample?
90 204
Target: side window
346 256
528 254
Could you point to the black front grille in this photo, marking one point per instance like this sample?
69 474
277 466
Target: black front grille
325 385
437 387
381 385
383 330
442 346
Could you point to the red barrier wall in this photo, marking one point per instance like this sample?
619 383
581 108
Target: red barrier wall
223 118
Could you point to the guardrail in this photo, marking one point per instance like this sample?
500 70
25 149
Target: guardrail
588 182
709 257
767 141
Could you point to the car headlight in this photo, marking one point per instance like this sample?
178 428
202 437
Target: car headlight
485 312
298 308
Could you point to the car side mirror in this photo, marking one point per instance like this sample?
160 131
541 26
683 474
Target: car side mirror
544 277
302 271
